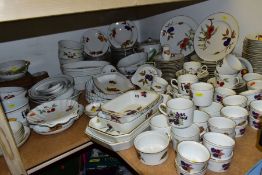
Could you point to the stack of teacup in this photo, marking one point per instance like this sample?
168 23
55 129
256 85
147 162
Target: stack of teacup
255 114
227 72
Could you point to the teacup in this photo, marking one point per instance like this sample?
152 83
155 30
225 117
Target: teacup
193 67
192 156
219 166
252 76
241 129
254 84
229 65
180 112
213 110
202 93
254 123
222 125
228 81
236 113
200 119
235 100
183 83
182 134
159 84
252 95
166 53
256 109
221 93
160 123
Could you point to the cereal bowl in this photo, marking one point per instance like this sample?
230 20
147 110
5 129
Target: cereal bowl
192 156
219 145
152 147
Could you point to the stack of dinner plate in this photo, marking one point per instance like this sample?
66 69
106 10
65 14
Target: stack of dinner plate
252 50
82 71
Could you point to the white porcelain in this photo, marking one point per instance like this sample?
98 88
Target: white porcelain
159 84
11 92
228 81
19 114
180 112
202 93
151 47
219 145
254 123
80 65
192 156
191 133
14 103
241 129
219 166
252 76
183 83
144 76
236 113
152 147
230 65
181 171
160 123
200 119
132 59
254 84
252 95
108 69
69 50
122 34
18 131
129 105
256 109
15 69
166 52
53 113
95 43
194 67
213 110
222 92
222 125
235 100
68 93
92 109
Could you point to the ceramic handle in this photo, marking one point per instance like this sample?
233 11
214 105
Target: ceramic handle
237 81
173 85
204 67
163 108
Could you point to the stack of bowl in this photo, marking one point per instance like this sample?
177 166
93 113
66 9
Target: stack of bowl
82 71
53 88
221 148
15 103
12 70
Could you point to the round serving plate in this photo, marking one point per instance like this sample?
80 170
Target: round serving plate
122 34
216 36
178 33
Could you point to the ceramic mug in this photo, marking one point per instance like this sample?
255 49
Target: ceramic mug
194 67
228 81
183 83
180 112
160 123
221 93
229 65
159 84
202 93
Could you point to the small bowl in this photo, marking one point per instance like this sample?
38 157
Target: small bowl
241 129
252 95
92 109
213 110
222 125
152 147
236 113
219 166
191 133
219 145
12 70
181 171
235 100
192 156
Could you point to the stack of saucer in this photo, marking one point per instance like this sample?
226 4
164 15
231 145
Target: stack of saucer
252 50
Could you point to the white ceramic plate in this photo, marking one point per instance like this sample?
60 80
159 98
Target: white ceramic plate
112 83
53 113
85 64
178 33
144 75
122 34
95 43
216 36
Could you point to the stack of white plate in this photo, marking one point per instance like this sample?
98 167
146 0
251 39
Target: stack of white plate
53 88
252 50
123 118
53 117
82 71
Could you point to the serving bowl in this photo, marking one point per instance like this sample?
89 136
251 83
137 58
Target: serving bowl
12 70
152 147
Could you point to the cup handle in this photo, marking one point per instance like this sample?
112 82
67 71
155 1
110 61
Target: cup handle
204 68
237 81
163 108
174 84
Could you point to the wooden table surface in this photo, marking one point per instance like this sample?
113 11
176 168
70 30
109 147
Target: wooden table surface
246 155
